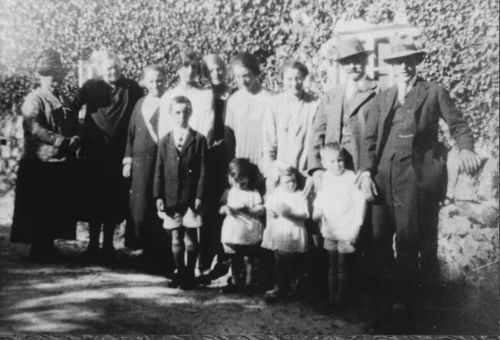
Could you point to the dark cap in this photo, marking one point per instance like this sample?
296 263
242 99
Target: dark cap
48 62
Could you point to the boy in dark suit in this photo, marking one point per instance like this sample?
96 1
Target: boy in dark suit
178 187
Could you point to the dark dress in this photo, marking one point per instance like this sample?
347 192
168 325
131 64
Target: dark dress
221 149
142 148
44 203
108 111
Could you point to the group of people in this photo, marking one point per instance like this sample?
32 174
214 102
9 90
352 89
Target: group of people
267 184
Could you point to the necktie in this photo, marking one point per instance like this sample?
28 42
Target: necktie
180 142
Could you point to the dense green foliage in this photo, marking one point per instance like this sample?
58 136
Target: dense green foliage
460 36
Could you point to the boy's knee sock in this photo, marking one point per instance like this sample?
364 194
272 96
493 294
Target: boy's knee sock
178 253
192 256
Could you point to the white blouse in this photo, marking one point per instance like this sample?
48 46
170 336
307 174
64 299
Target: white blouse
245 113
287 131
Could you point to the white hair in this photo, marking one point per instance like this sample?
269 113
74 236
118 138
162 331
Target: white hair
103 54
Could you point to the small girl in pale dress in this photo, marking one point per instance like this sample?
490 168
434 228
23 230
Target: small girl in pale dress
285 233
242 229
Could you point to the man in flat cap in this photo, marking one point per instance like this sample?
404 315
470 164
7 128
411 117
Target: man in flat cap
404 168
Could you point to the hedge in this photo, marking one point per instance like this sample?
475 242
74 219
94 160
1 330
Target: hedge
460 36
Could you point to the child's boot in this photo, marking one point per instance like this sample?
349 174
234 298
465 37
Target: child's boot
234 282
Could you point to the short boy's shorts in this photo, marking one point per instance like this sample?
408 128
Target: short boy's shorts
343 247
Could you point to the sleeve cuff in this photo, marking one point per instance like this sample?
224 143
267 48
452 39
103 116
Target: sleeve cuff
127 160
60 141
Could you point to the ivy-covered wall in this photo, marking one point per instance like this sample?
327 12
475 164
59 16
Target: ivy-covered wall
461 37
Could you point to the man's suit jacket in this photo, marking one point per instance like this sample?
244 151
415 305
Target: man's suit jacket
180 175
327 126
427 102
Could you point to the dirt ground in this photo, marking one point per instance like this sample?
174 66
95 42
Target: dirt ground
118 298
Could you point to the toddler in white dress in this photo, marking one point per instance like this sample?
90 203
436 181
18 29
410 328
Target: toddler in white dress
286 233
340 208
242 229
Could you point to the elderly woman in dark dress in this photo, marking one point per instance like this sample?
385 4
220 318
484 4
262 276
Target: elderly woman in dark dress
43 206
109 100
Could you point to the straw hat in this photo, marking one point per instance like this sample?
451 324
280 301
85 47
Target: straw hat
349 48
403 48
48 62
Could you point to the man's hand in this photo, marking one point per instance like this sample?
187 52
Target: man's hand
197 205
468 161
160 205
74 143
367 187
127 170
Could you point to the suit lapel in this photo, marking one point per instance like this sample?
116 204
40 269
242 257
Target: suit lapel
357 101
386 116
335 112
389 101
415 99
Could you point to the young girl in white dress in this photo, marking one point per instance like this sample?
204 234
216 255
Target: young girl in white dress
285 233
242 229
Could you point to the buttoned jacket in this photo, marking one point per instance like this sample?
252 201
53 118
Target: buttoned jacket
427 102
180 174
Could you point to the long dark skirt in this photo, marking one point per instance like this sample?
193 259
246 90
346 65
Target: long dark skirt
144 222
144 228
44 206
104 192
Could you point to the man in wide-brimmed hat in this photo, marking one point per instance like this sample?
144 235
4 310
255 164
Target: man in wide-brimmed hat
342 111
341 117
400 152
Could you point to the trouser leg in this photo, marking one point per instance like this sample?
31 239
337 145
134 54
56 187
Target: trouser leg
428 228
383 253
108 235
94 234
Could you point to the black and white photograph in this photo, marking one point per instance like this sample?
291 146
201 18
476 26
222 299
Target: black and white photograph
267 169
